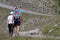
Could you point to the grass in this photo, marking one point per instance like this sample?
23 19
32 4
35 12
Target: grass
45 24
3 16
27 38
54 32
5 12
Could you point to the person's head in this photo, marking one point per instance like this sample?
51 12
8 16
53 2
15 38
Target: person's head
16 7
11 13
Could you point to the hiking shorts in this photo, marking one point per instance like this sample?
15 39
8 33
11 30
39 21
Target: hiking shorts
17 22
10 27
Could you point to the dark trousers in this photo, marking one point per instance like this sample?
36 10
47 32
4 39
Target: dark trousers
10 27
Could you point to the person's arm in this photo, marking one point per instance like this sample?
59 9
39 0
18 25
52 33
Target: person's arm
13 19
21 17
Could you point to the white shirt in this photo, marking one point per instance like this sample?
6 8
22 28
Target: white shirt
10 19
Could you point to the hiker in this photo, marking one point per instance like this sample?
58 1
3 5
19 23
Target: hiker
17 20
10 22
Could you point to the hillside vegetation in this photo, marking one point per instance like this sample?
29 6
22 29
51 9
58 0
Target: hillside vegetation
49 26
40 6
30 21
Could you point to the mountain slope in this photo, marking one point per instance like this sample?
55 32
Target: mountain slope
40 6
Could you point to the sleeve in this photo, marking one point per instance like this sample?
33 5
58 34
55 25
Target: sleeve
20 11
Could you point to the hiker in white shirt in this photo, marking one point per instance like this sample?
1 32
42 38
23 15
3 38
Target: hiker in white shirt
10 22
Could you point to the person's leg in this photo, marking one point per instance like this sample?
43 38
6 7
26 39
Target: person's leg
11 29
15 27
15 30
18 30
9 26
18 27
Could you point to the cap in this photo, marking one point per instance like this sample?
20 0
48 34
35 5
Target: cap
16 8
11 12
